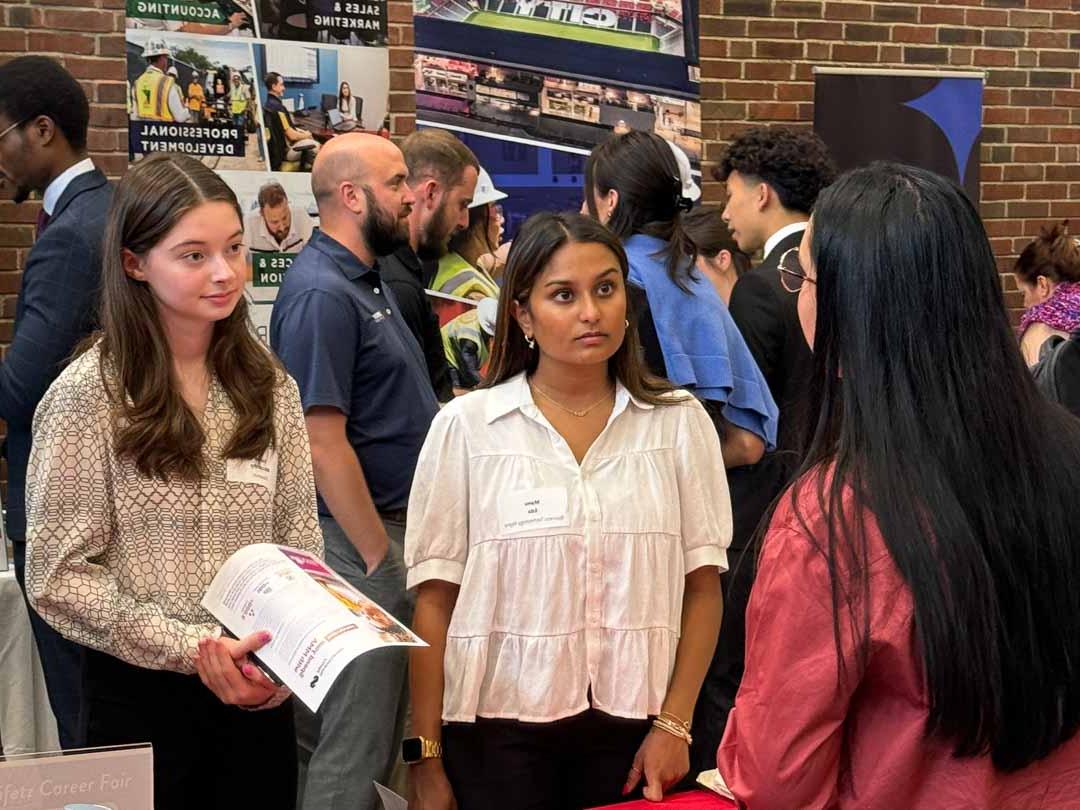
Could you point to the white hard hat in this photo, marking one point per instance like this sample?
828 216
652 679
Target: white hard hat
155 47
690 189
485 191
487 311
172 71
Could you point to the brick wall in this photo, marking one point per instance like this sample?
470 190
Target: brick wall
757 57
87 36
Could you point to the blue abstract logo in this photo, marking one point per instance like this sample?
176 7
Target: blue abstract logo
955 107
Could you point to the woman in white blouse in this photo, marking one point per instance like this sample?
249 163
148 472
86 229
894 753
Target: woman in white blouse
567 526
173 441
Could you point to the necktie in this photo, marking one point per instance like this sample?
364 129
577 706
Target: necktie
42 220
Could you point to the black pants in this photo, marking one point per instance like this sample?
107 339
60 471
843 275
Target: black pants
206 755
579 762
61 663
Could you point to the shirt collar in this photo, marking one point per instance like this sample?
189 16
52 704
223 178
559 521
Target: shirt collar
55 190
344 258
782 234
514 394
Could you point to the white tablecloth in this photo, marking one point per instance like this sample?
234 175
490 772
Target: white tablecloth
26 722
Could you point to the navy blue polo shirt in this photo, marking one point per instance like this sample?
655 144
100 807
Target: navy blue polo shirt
338 332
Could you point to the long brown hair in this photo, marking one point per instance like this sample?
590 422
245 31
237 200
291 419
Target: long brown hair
537 241
155 429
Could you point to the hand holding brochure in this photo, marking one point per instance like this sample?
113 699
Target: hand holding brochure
318 622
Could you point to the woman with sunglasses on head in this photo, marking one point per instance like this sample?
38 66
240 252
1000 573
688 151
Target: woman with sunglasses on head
567 524
174 440
914 630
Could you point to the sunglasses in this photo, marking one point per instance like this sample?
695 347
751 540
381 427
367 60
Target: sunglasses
792 276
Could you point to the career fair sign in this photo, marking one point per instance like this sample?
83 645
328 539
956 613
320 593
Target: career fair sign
254 89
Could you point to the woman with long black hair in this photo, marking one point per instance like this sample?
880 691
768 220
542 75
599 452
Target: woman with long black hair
913 637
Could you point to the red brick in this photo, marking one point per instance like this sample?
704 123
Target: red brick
1031 98
10 282
1048 39
721 27
9 260
1047 191
63 19
795 92
855 53
1000 191
1028 135
109 93
1067 21
1030 19
1033 154
772 29
935 15
723 110
914 33
991 174
748 90
723 69
1064 172
1005 115
848 11
16 236
960 56
817 50
1023 208
742 49
1059 59
710 49
1048 115
1064 210
779 50
769 111
1065 135
12 41
774 71
47 42
1003 227
111 46
994 58
1067 98
95 68
822 30
986 18
796 8
108 116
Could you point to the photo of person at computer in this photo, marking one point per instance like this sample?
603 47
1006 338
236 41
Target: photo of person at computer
311 94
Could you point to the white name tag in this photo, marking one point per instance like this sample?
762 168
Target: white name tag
261 471
531 509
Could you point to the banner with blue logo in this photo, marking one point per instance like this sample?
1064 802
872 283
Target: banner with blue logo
930 119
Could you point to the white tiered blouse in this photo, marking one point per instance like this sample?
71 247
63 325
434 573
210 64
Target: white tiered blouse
571 576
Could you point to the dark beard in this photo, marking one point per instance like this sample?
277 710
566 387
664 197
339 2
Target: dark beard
382 232
22 194
433 244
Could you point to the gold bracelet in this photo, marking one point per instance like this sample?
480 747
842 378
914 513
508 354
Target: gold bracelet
676 719
673 729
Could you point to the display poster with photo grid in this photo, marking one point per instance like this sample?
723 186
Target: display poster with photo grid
253 89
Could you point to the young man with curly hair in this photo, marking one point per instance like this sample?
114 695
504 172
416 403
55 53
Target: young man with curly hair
773 176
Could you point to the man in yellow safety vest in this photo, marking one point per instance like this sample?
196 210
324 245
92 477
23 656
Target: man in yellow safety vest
157 95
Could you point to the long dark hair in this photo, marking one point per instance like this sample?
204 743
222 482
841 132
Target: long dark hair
155 428
536 242
641 167
935 427
343 105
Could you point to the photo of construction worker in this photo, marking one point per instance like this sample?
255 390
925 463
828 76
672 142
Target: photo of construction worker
194 95
467 341
218 17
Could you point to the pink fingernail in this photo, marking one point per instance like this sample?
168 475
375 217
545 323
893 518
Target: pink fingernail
265 637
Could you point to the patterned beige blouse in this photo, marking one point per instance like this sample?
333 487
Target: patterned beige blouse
120 562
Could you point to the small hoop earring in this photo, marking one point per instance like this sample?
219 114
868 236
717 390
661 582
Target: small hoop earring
530 342
626 324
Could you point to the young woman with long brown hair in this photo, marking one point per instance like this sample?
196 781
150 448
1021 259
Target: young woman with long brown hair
171 442
567 525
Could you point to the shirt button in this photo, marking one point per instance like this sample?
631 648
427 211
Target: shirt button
388 312
376 290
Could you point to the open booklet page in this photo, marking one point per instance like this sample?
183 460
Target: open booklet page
317 621
715 782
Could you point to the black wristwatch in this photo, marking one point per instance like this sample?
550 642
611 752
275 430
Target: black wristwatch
417 749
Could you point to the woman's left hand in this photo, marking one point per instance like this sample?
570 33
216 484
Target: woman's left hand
225 669
662 760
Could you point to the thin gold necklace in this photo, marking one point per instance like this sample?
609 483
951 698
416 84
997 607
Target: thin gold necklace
579 414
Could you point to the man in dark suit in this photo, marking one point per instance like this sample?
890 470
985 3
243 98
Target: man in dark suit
43 120
773 177
442 174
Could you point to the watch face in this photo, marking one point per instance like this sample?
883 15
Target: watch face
410 749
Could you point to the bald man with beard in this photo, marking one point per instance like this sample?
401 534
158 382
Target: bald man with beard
368 403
